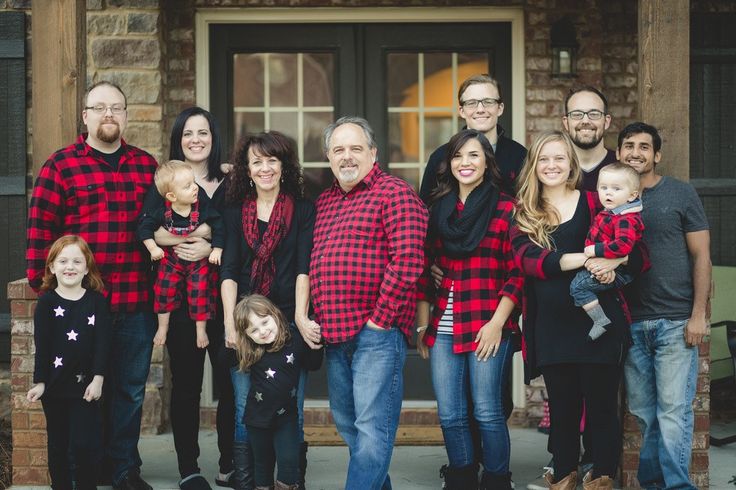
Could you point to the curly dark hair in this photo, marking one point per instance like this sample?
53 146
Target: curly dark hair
447 182
272 144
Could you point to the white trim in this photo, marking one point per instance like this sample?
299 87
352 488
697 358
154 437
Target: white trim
348 15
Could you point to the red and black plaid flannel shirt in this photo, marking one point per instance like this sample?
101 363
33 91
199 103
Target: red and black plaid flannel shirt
614 235
77 192
367 256
479 281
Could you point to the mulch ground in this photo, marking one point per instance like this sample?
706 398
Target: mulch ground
5 451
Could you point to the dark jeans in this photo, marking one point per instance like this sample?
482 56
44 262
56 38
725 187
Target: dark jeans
125 385
279 445
567 386
74 429
187 370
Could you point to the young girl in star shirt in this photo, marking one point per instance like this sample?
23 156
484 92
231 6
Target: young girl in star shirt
71 331
274 353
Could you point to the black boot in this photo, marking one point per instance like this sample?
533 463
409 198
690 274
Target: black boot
303 465
464 478
243 467
495 482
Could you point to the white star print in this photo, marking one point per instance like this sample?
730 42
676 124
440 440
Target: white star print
290 358
259 396
59 311
91 320
280 411
72 335
57 362
270 373
80 378
293 392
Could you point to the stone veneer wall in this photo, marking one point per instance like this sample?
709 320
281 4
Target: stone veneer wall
147 46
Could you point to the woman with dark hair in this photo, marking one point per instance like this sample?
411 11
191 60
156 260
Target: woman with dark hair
267 249
468 338
195 139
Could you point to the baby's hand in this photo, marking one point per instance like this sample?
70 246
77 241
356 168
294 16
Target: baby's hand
216 256
94 389
589 251
36 392
157 253
160 337
202 339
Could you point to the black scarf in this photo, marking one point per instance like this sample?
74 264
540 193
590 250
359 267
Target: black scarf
461 233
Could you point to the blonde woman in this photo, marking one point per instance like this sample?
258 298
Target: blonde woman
552 219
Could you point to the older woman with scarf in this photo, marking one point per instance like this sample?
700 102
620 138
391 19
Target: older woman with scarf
469 335
269 241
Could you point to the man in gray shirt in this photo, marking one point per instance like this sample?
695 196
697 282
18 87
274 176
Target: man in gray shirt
668 305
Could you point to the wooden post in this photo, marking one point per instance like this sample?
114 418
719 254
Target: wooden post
664 79
59 37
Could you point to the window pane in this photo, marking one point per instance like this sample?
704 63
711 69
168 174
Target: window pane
403 137
247 123
316 180
410 175
318 69
438 89
285 122
248 78
469 64
402 83
283 79
437 132
314 124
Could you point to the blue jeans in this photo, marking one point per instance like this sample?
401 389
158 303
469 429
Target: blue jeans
241 386
661 374
125 386
366 386
584 286
452 376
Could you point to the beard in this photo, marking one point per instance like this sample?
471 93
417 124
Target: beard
108 136
586 143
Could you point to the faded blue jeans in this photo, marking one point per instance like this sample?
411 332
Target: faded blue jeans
661 375
125 385
452 376
366 386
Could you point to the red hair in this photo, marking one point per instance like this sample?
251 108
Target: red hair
93 279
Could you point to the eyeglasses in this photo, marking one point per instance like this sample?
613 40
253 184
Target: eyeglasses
116 109
473 103
593 115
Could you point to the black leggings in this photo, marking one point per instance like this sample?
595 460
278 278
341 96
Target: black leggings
74 428
187 369
278 445
567 386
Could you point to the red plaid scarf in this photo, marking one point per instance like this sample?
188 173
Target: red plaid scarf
263 270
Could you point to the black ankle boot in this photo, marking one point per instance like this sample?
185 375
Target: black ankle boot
464 478
495 482
303 465
242 467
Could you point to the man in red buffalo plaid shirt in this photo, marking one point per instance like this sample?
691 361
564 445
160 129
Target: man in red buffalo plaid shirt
367 256
94 188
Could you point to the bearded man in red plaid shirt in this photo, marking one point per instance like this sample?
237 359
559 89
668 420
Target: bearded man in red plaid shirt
94 188
367 256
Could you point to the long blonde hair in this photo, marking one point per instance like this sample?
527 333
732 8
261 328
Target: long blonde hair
534 215
248 351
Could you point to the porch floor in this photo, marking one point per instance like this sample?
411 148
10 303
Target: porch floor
412 467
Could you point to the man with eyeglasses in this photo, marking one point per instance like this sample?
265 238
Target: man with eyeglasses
480 105
586 119
95 188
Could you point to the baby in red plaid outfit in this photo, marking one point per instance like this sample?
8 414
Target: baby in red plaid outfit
185 212
615 230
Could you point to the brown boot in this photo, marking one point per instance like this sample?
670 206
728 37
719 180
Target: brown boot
285 486
570 482
602 483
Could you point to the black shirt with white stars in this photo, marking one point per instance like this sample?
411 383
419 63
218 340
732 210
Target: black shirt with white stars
274 380
72 342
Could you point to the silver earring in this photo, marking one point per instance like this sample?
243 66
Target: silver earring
251 182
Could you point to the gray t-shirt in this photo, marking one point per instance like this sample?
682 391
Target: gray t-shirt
671 210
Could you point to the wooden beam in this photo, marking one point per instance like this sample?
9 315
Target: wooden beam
59 38
664 79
